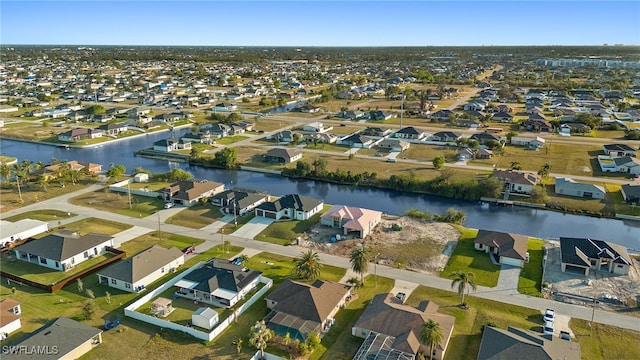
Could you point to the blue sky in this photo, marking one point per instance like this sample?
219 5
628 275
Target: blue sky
320 23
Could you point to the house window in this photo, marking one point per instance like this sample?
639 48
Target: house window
620 266
127 285
364 332
57 264
114 281
73 261
95 251
86 254
162 270
43 260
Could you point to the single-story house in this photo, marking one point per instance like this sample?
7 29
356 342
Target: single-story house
199 138
356 141
401 325
282 155
627 164
465 154
445 136
607 164
292 206
326 138
79 134
409 132
376 131
63 251
483 153
284 136
138 271
533 143
619 150
442 115
315 127
521 182
380 115
537 125
569 187
351 114
631 193
218 282
204 317
70 339
188 192
238 201
224 106
484 137
300 308
113 128
352 219
394 145
515 343
218 130
21 229
502 117
10 314
171 144
582 255
510 249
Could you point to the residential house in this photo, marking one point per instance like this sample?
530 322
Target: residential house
352 219
442 115
502 117
307 109
569 187
409 132
292 206
199 138
59 339
238 201
627 164
380 115
218 130
172 144
569 128
317 127
533 143
519 182
218 282
515 343
483 137
113 128
619 150
376 132
356 141
394 145
445 136
482 153
300 309
246 125
465 154
472 124
389 321
22 229
475 105
189 192
140 270
284 136
537 125
631 193
351 114
507 248
205 317
10 314
583 255
79 134
63 251
326 138
224 107
282 155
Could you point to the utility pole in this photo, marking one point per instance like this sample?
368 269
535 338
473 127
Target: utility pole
19 191
129 191
235 220
159 233
375 270
402 109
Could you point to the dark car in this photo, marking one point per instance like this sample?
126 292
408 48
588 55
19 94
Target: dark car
188 250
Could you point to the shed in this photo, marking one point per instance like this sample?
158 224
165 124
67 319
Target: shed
204 317
141 177
161 307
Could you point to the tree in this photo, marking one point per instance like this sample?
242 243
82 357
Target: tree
355 283
319 166
5 172
438 162
431 335
515 165
115 172
544 171
260 336
462 279
286 339
539 194
238 343
360 257
307 265
226 158
95 110
88 309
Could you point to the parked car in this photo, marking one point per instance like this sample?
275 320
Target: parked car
565 335
169 205
237 260
549 315
401 296
188 250
548 328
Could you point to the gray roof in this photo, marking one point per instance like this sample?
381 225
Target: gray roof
592 249
567 183
618 147
291 201
514 343
63 333
631 192
221 274
284 153
141 264
59 248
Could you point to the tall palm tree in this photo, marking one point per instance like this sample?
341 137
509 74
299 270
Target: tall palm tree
360 258
260 336
431 335
307 265
5 172
462 280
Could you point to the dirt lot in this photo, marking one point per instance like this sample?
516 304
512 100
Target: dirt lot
419 246
615 292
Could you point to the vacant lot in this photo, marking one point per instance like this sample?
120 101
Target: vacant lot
42 215
32 193
196 216
141 206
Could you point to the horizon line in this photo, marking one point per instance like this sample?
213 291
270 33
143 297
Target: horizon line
336 46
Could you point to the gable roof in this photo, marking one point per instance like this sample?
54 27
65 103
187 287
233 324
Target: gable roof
141 264
7 316
578 251
359 218
291 201
63 333
61 247
221 274
285 153
619 147
516 177
313 302
410 130
190 189
568 183
514 343
509 245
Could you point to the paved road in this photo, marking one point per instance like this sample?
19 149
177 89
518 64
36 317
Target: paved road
405 277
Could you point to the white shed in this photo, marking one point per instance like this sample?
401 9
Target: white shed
141 177
205 317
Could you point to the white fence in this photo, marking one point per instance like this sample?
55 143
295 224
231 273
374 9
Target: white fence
130 310
267 356
122 187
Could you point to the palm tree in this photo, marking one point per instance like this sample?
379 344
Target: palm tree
238 343
462 280
260 336
5 172
355 283
307 265
431 335
360 258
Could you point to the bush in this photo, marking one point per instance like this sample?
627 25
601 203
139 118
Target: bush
396 227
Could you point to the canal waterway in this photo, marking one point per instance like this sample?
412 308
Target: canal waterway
529 221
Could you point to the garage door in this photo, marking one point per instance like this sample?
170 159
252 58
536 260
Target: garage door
574 269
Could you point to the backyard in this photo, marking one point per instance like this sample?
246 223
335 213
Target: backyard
467 259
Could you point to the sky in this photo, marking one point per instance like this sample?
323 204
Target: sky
320 23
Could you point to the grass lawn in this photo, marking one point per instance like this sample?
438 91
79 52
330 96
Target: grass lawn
328 147
278 268
196 216
165 240
102 226
42 215
33 193
141 206
466 258
530 281
285 232
231 227
230 139
151 186
429 152
606 342
269 125
614 195
593 206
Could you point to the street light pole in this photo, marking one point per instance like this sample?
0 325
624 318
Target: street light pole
375 270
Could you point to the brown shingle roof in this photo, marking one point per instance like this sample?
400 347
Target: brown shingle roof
509 245
313 302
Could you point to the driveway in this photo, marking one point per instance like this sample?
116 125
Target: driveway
401 286
508 279
124 236
253 227
217 225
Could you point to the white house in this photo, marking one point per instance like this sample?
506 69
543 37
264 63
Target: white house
10 314
63 252
522 182
21 229
204 317
569 187
292 206
535 142
138 271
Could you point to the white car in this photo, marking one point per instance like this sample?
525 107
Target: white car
549 315
548 328
169 205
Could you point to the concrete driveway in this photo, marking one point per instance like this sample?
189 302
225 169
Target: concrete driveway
253 227
509 276
401 286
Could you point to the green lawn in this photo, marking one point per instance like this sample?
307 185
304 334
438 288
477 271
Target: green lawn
605 342
285 232
42 215
232 226
141 206
530 282
278 268
196 216
89 225
466 258
230 139
165 240
328 147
